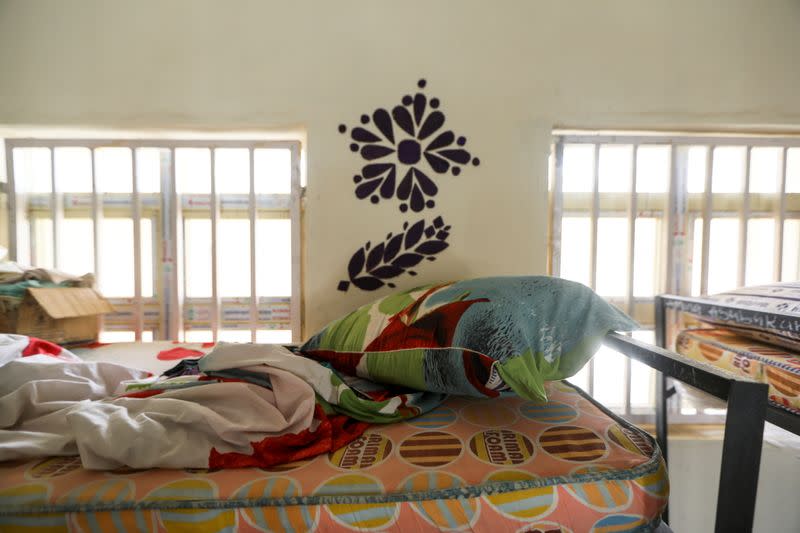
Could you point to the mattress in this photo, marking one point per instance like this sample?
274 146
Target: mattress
743 310
504 464
767 363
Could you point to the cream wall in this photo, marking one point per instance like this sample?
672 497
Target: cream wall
506 72
3 223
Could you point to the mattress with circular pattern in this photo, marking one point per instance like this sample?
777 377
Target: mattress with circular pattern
483 465
776 366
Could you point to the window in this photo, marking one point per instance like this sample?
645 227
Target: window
633 216
189 240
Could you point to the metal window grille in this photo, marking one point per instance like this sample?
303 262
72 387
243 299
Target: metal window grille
634 215
131 197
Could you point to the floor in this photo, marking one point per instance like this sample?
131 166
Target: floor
695 453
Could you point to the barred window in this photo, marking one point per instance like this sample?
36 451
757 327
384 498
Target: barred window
175 232
635 215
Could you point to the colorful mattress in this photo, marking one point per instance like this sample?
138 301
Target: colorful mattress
766 363
485 465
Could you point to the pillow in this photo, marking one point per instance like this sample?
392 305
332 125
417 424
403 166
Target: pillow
778 298
477 337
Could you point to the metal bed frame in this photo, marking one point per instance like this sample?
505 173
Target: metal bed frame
747 410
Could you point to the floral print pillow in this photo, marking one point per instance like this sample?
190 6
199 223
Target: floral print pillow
479 337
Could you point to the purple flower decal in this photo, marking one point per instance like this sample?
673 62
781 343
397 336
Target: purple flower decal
404 149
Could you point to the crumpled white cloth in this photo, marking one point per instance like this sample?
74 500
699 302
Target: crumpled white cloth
60 405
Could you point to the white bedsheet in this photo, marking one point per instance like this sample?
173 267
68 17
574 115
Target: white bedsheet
60 405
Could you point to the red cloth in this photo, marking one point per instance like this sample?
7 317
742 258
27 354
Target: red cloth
332 433
178 353
40 347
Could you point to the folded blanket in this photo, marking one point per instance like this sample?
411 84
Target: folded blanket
251 405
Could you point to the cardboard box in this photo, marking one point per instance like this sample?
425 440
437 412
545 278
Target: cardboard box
63 315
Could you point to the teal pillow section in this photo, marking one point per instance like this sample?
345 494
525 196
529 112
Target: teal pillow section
478 337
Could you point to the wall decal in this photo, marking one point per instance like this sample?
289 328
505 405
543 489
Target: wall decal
403 148
371 266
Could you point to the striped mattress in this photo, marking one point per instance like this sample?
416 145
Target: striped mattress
767 363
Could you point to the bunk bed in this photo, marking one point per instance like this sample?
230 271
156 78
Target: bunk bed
384 479
509 461
776 413
749 402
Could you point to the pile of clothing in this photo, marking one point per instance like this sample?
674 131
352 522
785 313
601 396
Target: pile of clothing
240 405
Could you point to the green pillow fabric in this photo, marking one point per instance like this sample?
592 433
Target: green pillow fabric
478 337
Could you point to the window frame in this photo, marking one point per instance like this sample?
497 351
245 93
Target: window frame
168 282
675 210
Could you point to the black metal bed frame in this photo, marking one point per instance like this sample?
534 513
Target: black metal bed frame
747 411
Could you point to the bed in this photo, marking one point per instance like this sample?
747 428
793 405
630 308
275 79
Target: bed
757 381
504 464
727 350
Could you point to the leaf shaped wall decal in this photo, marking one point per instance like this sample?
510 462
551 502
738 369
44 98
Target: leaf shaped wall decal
356 263
375 256
388 271
368 283
414 233
369 269
408 260
392 247
431 247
